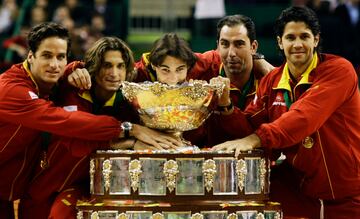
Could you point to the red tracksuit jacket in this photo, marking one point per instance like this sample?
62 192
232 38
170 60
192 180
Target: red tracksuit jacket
320 132
23 115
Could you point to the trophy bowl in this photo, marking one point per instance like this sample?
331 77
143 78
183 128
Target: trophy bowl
172 108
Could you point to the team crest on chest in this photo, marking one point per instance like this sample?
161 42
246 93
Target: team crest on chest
279 101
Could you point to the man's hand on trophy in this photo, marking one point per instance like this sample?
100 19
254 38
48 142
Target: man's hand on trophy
80 78
248 143
123 144
224 99
155 138
139 145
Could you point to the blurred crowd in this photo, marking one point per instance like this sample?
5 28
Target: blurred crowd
88 20
340 26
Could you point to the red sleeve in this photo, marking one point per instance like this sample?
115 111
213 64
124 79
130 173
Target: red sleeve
256 110
19 104
234 125
72 66
197 136
142 72
206 67
80 148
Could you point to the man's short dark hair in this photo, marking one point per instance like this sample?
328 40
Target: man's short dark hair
298 14
172 45
234 20
45 30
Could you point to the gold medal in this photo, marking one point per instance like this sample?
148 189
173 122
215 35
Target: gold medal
308 142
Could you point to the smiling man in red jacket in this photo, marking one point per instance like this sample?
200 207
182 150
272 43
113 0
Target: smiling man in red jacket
25 111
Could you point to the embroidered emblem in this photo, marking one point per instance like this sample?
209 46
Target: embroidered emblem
279 101
308 142
278 98
33 95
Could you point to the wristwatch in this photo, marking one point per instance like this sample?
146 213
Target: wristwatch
126 127
226 109
258 56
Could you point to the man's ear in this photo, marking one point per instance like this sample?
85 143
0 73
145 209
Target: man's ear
279 43
254 46
30 57
317 39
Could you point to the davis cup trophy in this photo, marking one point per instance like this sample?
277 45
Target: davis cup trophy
186 183
173 108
